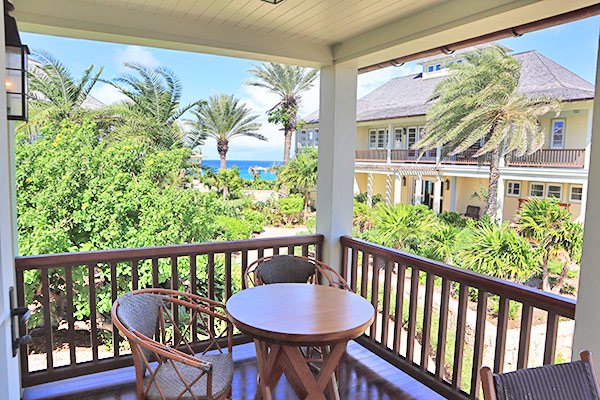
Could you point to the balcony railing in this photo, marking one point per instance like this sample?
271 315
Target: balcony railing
569 158
440 324
565 158
436 322
71 293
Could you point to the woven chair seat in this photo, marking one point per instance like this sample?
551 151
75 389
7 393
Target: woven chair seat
285 269
171 385
572 381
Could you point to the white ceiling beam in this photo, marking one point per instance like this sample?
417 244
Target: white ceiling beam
99 22
450 22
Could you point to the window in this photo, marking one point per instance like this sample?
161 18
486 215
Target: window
513 189
377 138
430 68
438 67
398 133
317 135
311 135
554 191
576 194
558 134
411 136
536 189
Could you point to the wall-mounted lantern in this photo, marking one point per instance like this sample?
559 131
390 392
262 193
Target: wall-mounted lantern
403 181
16 68
447 184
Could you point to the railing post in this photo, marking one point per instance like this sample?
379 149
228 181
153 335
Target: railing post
390 142
337 138
397 188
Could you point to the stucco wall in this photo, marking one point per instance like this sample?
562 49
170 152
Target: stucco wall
465 188
576 128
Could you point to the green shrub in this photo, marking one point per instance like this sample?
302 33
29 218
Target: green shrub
453 218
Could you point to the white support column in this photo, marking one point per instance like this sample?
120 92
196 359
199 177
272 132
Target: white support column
370 189
337 138
10 386
437 195
418 197
390 143
586 163
397 188
453 194
587 318
388 188
500 200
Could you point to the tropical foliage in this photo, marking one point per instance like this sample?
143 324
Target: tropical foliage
288 82
548 226
479 103
300 175
223 118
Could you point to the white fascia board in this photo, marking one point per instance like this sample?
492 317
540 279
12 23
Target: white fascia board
445 24
69 18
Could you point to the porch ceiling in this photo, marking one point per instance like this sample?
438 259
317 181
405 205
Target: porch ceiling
307 32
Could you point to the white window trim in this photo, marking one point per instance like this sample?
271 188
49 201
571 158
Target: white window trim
416 128
372 146
564 133
571 199
543 190
512 194
560 196
402 131
377 132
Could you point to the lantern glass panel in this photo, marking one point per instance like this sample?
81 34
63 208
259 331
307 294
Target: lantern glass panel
14 57
14 81
15 105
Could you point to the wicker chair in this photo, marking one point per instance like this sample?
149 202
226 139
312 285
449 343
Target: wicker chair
576 380
168 369
291 269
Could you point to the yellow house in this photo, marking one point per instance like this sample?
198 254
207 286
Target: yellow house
391 119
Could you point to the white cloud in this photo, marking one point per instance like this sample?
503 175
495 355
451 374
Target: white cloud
135 54
107 94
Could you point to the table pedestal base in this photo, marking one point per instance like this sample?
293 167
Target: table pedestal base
276 359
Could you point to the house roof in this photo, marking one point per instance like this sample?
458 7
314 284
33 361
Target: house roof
410 95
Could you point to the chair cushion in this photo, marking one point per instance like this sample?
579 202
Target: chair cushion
572 381
171 385
285 269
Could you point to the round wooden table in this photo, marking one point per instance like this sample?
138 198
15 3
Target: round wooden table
284 317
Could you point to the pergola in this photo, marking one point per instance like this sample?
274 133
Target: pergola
338 37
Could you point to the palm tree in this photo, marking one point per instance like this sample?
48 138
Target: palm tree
549 227
223 118
478 102
300 175
287 82
153 109
55 94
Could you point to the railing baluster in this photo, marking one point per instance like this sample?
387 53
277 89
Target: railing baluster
551 336
47 319
155 272
24 352
344 267
211 287
290 250
275 251
305 250
364 275
175 307
399 307
113 295
440 354
354 270
427 314
134 274
194 289
245 265
93 316
261 252
501 329
463 298
412 314
385 314
525 336
375 294
479 341
70 315
228 275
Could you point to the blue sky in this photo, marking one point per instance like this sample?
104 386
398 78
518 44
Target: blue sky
572 45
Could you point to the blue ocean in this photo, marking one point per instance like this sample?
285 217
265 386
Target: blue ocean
243 166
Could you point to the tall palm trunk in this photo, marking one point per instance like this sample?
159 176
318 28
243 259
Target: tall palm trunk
287 145
545 274
492 199
222 148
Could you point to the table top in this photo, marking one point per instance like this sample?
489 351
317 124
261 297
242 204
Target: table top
300 313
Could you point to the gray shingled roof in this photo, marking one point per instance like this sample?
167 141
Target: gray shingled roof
409 95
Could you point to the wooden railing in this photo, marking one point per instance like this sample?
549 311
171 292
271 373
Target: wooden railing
371 155
413 156
467 157
70 296
570 158
441 323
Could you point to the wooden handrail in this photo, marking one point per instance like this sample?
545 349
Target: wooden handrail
543 300
24 263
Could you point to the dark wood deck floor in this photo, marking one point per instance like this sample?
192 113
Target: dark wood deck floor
363 376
